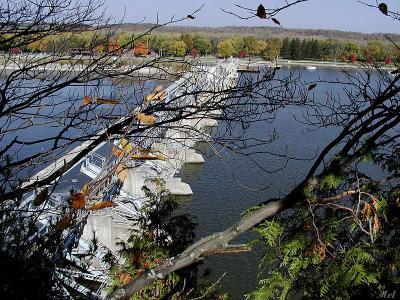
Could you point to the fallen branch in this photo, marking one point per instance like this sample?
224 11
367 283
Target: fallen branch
212 244
334 198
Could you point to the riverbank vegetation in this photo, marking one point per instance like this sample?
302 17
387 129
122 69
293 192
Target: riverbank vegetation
182 44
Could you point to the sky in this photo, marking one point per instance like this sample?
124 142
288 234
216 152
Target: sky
345 15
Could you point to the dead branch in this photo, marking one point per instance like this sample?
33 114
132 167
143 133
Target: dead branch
215 243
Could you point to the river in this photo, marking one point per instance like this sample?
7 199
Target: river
228 183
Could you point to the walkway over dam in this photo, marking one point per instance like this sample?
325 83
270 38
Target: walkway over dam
167 144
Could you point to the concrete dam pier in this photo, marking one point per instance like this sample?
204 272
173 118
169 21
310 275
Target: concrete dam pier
180 118
175 142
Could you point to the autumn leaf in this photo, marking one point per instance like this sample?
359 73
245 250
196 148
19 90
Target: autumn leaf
41 197
160 95
122 172
125 145
107 101
147 157
85 188
117 152
78 201
101 205
158 88
146 119
150 97
157 94
312 86
383 8
86 101
276 21
63 223
261 13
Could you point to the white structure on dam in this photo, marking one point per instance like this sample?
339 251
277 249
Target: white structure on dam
197 93
175 142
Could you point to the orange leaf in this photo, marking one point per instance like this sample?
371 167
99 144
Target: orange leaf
121 172
78 201
117 152
101 205
158 96
125 145
146 119
107 101
150 97
85 188
147 264
147 157
125 278
87 100
63 223
158 88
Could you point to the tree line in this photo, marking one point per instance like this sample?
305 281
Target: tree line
180 45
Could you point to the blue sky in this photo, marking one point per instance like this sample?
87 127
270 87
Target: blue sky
347 15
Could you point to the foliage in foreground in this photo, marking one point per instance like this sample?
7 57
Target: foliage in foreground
334 248
161 233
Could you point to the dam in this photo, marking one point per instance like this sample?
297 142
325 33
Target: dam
167 146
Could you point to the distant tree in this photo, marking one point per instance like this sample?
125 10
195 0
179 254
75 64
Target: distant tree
166 46
377 50
350 49
331 49
226 49
353 58
126 38
242 54
295 49
370 60
202 45
306 53
285 49
261 47
177 48
238 43
188 40
252 46
214 45
315 49
272 49
155 42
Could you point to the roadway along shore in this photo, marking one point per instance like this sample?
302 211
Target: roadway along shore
150 71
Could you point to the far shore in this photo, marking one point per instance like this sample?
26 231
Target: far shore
315 63
151 72
332 64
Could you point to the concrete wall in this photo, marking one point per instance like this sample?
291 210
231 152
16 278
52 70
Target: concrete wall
109 228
